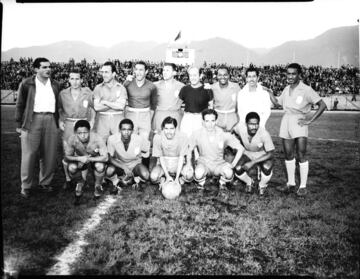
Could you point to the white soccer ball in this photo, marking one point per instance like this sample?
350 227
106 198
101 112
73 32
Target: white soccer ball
171 189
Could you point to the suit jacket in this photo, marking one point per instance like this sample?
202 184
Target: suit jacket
25 102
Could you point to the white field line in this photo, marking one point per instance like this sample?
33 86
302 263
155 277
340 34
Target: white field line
74 249
322 139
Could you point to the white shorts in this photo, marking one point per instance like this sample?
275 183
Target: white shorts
290 129
190 123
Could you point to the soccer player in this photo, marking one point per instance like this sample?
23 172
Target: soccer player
37 118
109 102
82 149
170 148
225 96
253 97
259 151
211 141
168 102
126 150
296 99
142 99
75 103
196 99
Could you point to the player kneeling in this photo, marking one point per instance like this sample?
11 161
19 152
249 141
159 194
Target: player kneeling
170 148
259 150
126 151
211 142
84 149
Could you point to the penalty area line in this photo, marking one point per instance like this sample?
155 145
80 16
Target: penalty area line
72 252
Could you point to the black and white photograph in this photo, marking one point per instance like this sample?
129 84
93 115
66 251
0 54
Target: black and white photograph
180 138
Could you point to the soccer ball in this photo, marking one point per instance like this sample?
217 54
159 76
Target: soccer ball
170 190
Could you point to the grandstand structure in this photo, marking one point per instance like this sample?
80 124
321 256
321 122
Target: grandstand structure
178 52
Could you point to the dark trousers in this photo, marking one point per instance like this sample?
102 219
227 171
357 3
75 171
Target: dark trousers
41 140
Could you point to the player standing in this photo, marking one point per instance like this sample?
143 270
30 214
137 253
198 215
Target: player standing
296 99
225 99
196 99
168 102
142 99
109 102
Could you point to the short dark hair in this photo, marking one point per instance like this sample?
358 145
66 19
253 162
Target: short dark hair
224 67
112 65
141 63
252 115
81 123
252 68
37 62
75 71
169 120
295 66
126 121
172 65
209 111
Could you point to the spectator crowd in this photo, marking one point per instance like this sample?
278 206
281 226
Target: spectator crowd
326 81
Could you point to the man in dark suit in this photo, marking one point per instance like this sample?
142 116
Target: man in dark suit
37 121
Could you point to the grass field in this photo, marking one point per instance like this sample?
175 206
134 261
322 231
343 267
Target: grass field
197 233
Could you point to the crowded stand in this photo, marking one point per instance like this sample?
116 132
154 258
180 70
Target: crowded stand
326 81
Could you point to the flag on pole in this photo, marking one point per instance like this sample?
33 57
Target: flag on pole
178 36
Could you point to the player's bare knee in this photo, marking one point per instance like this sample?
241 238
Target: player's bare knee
188 174
200 172
155 175
99 167
227 173
73 168
144 173
238 169
302 156
267 167
289 156
110 171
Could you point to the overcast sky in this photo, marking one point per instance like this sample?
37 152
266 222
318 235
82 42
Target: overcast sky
254 25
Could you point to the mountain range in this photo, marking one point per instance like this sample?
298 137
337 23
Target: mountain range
337 46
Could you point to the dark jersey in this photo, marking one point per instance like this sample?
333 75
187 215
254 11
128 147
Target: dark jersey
195 99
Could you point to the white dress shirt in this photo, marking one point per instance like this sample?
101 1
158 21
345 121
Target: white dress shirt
44 97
